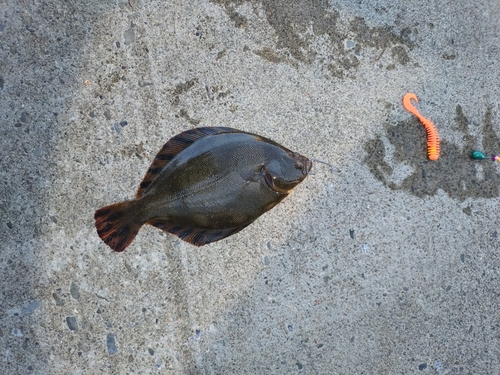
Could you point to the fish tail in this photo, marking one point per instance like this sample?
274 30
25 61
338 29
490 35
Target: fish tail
116 225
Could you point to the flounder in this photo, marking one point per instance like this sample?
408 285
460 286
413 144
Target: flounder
204 185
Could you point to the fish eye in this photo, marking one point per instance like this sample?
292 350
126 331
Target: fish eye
299 165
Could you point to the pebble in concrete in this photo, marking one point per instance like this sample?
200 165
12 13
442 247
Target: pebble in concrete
110 343
74 290
72 323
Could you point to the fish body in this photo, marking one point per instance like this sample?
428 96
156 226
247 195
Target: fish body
204 185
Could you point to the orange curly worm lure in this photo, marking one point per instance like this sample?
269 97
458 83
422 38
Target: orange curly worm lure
432 134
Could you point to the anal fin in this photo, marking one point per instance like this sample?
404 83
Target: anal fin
195 236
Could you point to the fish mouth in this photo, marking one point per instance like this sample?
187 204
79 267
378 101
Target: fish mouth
308 166
302 163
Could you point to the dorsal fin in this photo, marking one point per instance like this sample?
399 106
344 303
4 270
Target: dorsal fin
174 146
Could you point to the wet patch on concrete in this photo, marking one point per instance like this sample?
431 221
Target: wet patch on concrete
182 88
297 24
454 172
399 55
184 114
274 57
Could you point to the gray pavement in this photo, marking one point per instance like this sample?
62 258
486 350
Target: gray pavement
388 265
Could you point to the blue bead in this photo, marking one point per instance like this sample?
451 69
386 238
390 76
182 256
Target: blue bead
477 155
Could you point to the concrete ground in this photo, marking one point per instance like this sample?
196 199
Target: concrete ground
388 265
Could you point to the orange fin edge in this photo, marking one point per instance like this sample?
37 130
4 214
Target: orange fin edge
115 226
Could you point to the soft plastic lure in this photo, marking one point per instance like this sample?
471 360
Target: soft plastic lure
432 134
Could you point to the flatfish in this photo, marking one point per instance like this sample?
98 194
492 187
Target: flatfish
204 185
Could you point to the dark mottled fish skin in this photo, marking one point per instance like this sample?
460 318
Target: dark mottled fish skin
204 185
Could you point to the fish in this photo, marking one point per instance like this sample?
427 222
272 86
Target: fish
205 184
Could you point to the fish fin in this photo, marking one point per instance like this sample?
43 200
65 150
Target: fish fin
174 146
196 236
116 227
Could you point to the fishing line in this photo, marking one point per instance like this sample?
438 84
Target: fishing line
333 168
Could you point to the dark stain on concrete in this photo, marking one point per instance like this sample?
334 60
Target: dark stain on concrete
274 57
381 36
183 113
343 65
447 56
292 20
221 54
462 125
238 19
181 88
230 8
399 55
454 172
491 142
217 92
289 20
